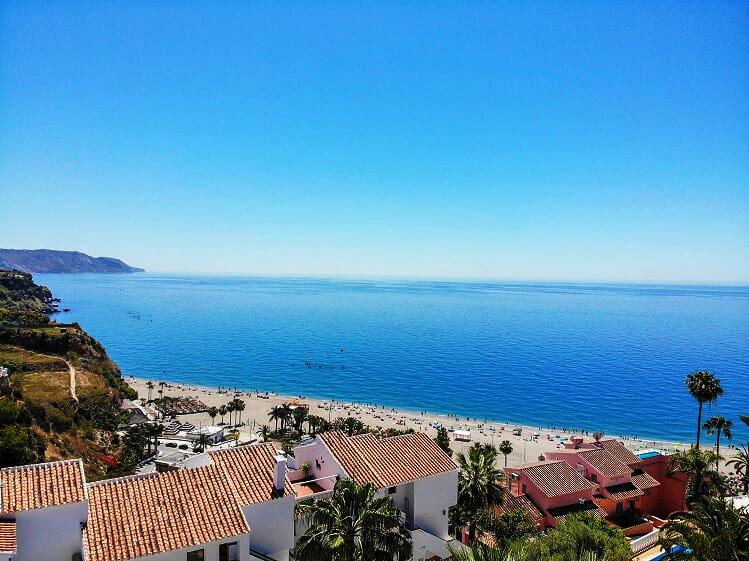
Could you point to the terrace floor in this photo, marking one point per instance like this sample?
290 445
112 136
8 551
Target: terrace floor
306 488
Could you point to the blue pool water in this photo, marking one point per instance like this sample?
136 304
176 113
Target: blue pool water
645 455
602 357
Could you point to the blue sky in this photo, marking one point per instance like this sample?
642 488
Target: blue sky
591 140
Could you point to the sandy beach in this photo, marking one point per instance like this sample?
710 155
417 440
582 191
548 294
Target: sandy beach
527 447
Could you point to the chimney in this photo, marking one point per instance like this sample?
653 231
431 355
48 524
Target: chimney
279 481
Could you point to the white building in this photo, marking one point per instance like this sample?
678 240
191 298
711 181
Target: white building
421 479
42 509
224 505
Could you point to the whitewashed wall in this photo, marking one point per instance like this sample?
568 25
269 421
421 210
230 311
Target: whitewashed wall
50 534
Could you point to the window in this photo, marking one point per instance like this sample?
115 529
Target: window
196 555
619 507
228 552
391 490
594 477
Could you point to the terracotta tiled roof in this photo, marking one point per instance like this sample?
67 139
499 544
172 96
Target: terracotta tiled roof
41 485
624 491
252 471
620 452
8 536
140 516
643 480
388 461
556 478
511 503
589 507
604 462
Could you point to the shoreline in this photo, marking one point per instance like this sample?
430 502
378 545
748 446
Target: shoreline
527 447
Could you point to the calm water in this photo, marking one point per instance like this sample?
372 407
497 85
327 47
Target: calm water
596 356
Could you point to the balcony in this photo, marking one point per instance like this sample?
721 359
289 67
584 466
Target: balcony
319 488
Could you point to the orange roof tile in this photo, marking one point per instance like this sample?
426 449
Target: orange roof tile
561 512
41 485
388 461
620 452
556 478
624 491
604 462
511 503
643 480
138 516
252 470
8 536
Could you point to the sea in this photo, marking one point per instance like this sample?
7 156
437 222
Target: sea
609 357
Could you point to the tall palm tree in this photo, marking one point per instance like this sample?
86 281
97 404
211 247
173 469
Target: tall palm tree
285 411
212 412
274 414
239 406
712 531
149 385
705 387
718 426
352 525
478 485
231 407
222 411
741 464
506 448
703 480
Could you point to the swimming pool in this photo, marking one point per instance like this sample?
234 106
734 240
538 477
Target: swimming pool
648 454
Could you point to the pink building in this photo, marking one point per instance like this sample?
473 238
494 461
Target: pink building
602 478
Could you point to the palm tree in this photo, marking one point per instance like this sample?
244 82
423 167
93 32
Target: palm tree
222 411
741 464
201 443
274 415
300 415
506 448
712 531
703 480
239 406
212 412
478 484
352 525
718 426
744 418
231 407
265 432
285 412
149 385
705 387
598 435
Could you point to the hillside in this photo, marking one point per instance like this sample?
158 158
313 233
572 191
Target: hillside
40 418
53 261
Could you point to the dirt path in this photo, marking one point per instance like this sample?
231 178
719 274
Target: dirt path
71 369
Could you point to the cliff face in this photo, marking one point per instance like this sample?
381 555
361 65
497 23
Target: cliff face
52 261
40 418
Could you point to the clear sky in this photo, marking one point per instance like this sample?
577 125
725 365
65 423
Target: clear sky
539 140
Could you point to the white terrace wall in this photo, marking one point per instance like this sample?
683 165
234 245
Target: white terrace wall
433 496
50 534
272 526
321 461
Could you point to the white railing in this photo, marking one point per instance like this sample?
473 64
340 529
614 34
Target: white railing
644 542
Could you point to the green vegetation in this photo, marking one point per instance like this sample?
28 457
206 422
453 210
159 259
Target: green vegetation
712 530
39 418
478 487
443 441
353 525
580 537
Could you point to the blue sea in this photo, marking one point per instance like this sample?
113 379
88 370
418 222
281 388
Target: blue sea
597 356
